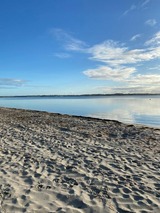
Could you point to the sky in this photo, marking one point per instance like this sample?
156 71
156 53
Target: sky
72 47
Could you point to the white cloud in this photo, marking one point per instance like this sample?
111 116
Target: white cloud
151 22
11 82
109 52
115 54
147 79
108 73
135 37
154 41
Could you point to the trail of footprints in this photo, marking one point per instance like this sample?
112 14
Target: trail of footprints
101 169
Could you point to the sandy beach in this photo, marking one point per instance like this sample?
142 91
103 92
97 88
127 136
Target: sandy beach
60 163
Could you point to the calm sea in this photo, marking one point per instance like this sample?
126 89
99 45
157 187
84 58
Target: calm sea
128 109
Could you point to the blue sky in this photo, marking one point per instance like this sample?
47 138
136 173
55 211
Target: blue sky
79 46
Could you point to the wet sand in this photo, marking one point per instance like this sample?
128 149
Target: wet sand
60 163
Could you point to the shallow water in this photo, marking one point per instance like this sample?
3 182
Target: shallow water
128 109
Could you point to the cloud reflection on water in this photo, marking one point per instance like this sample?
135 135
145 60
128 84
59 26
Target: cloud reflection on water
143 110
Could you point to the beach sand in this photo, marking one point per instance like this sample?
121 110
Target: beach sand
60 163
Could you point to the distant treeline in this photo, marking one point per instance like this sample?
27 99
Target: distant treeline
83 95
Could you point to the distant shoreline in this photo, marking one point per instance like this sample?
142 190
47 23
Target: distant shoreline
83 95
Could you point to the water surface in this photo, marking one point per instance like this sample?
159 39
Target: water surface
128 109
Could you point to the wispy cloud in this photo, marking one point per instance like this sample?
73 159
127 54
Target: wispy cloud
155 68
135 37
140 5
132 89
151 22
117 62
144 3
132 7
5 82
69 42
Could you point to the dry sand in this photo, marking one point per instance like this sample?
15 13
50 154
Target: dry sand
59 163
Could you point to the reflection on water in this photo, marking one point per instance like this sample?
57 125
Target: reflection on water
141 110
128 109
